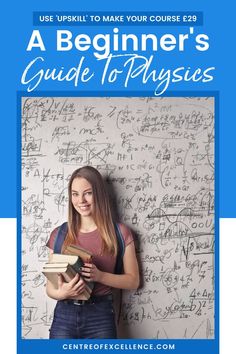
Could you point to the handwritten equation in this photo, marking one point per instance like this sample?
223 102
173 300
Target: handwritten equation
157 157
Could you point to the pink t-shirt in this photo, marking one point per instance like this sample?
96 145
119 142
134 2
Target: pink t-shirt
92 242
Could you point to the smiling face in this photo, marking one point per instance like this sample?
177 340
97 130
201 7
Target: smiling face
82 196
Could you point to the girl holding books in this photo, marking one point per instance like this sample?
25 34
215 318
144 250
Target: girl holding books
91 227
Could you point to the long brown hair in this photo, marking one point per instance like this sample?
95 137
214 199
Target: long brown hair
101 211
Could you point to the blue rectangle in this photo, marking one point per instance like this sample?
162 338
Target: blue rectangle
160 18
176 346
119 346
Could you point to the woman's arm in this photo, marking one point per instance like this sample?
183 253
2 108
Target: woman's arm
128 280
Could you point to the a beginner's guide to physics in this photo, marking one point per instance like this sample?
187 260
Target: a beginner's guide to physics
144 93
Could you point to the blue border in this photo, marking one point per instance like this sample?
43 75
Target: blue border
37 346
19 216
217 216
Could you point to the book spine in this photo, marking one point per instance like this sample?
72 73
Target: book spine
78 265
69 274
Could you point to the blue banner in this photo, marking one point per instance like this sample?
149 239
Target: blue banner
161 18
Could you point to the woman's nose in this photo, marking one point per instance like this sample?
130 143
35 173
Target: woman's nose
81 198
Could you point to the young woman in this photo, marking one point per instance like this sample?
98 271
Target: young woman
90 225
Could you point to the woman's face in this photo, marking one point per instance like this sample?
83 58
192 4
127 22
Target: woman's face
82 196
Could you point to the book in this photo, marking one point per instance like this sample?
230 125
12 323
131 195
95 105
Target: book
75 261
61 266
55 265
84 254
51 272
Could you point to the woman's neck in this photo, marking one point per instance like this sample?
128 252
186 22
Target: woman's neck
87 224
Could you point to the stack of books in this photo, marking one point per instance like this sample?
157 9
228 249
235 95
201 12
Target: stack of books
68 265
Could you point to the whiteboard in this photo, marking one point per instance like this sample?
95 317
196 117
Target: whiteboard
157 157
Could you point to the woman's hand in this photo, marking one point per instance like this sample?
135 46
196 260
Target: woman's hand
127 280
91 273
72 289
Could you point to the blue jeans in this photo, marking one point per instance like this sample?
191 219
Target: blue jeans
83 321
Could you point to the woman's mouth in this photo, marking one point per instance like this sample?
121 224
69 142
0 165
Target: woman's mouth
84 207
